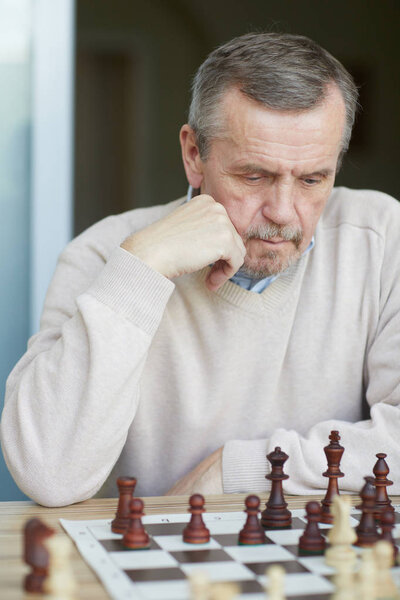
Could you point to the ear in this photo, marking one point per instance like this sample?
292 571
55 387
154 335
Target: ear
191 156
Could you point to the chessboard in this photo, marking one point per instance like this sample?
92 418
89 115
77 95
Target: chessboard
161 572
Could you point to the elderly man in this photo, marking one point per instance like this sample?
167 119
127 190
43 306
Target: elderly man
181 343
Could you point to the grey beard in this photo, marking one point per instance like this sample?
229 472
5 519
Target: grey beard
274 264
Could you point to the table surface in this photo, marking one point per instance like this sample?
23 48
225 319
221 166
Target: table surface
13 516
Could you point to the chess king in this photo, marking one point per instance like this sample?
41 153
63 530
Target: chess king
182 343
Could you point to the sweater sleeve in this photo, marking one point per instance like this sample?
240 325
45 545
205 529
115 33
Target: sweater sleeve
244 462
69 400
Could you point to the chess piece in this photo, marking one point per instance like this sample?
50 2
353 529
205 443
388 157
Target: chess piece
341 536
276 515
275 582
366 530
126 488
385 586
136 537
195 531
344 581
312 541
224 591
382 500
366 577
252 532
199 584
387 519
36 554
60 583
333 453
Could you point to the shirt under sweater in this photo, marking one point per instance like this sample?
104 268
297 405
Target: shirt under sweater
134 374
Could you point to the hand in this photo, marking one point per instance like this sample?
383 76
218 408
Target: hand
206 478
193 236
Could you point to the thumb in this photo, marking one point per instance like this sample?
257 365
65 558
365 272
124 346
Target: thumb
219 274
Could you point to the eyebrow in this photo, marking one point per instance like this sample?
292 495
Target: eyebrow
251 169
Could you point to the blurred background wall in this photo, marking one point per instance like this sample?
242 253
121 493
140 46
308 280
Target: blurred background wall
131 74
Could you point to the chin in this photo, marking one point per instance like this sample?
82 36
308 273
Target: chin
258 268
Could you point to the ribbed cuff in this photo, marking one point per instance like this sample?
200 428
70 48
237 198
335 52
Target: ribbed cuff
244 466
130 287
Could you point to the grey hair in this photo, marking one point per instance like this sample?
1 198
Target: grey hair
280 70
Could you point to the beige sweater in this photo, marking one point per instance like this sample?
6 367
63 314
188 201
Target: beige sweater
131 373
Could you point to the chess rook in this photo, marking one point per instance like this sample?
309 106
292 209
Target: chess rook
126 488
366 530
276 515
382 500
333 452
312 541
136 537
195 531
252 532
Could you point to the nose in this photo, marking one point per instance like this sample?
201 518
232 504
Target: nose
278 205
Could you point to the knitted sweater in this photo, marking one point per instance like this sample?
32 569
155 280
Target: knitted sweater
134 374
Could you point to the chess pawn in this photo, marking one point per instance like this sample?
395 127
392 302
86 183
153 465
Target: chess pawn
60 583
252 532
36 554
366 531
136 537
195 531
126 488
276 515
312 541
385 586
199 584
275 582
333 453
341 536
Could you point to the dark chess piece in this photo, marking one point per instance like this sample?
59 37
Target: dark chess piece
126 488
276 515
333 453
387 520
136 537
252 532
195 531
312 541
381 471
367 533
36 554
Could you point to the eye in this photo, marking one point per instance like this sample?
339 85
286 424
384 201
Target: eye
252 179
311 181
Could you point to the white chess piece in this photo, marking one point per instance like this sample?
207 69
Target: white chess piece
60 583
224 591
342 535
200 587
344 581
275 582
384 584
366 576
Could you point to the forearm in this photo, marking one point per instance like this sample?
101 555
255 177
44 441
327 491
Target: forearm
245 464
71 399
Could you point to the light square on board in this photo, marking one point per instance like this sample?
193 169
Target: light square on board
260 553
143 559
220 571
175 542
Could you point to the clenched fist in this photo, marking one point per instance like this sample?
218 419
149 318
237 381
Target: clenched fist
195 235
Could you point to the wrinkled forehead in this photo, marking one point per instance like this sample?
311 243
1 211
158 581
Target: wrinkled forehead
242 119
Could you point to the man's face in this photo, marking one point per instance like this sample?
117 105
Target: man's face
273 172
